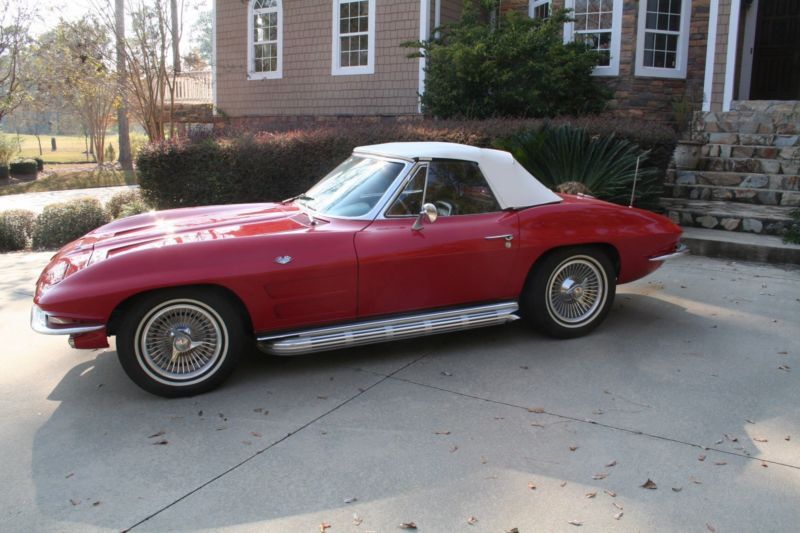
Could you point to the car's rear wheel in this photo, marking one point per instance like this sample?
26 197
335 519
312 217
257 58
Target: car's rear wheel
181 342
570 291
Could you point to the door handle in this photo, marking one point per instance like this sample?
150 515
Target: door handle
507 237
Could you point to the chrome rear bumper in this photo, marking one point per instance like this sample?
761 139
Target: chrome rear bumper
682 249
41 324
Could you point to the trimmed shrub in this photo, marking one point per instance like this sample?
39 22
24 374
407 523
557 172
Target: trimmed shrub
15 229
605 165
4 172
24 167
135 207
117 203
239 168
64 222
39 163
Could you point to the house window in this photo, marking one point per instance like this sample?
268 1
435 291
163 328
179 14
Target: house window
265 39
539 9
353 37
598 24
662 38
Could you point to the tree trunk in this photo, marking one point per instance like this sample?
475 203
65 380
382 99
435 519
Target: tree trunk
176 53
125 156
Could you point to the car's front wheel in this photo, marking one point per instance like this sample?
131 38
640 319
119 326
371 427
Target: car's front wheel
181 342
570 291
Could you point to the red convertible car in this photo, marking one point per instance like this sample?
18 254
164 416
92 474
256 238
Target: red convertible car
400 240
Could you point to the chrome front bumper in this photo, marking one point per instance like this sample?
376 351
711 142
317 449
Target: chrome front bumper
41 324
682 249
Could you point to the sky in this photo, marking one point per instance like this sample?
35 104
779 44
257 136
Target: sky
50 11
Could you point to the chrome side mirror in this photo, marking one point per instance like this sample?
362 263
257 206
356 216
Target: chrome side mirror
430 212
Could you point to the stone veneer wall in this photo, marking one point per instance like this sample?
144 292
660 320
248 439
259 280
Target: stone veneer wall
648 97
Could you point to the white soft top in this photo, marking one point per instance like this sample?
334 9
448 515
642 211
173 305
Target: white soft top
511 184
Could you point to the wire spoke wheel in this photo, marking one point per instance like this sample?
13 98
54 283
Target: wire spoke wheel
576 291
181 341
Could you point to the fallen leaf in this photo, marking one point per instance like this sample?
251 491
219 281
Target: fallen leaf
323 526
618 506
357 520
720 463
677 489
350 500
524 367
701 457
531 486
222 428
513 530
749 421
408 525
95 504
453 449
718 442
537 425
765 465
618 515
484 460
785 368
445 373
255 434
69 475
695 481
258 409
160 442
760 439
575 522
471 520
711 528
563 483
601 475
322 397
499 418
74 502
612 463
611 493
199 413
591 494
787 437
573 448
783 353
159 434
441 432
649 484
731 438
538 410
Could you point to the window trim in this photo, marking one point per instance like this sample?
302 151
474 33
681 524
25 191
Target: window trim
251 70
616 37
336 68
533 4
682 55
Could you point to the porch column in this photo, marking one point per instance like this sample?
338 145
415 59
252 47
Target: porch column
711 53
730 62
424 34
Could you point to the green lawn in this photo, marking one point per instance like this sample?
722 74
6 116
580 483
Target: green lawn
73 180
69 148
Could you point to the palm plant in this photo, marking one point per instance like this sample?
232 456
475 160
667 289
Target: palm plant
606 165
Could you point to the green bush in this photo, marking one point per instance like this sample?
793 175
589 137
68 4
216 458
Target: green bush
519 67
4 172
792 235
117 203
39 163
274 166
8 147
23 167
64 222
15 229
606 165
135 207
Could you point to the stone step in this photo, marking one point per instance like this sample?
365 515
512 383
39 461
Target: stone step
749 165
750 123
736 194
745 180
754 139
766 106
740 246
731 216
790 153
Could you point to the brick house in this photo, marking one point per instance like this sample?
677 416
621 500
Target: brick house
278 60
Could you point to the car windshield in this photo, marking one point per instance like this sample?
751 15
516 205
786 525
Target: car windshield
353 188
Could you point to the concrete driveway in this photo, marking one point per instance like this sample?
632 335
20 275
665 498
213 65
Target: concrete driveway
693 383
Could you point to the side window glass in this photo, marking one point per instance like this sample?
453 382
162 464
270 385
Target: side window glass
459 188
410 200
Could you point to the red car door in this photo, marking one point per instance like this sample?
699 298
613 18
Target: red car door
465 256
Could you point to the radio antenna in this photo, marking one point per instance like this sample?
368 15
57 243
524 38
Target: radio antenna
635 175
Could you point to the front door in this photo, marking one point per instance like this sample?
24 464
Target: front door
463 257
776 54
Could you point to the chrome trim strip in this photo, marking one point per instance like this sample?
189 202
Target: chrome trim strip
507 237
39 325
372 331
682 249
